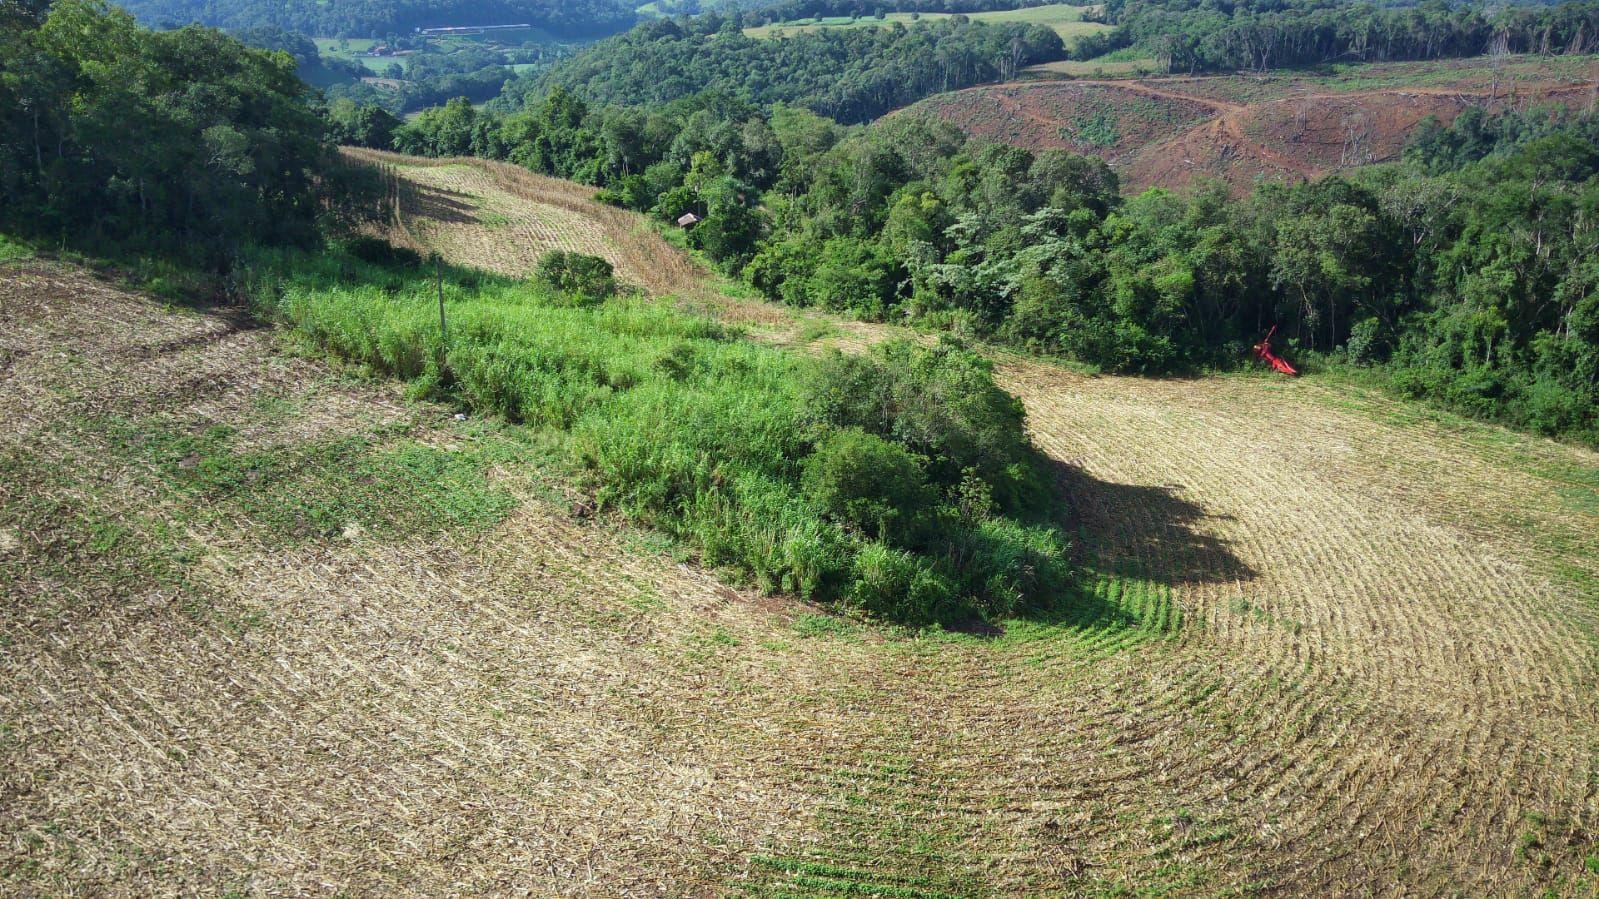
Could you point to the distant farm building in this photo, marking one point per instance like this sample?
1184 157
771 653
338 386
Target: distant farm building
686 219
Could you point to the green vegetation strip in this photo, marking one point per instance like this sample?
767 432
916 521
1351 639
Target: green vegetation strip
900 485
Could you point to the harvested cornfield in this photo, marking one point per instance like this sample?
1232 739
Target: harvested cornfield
502 218
1327 644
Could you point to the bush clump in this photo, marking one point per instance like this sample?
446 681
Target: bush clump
868 483
584 278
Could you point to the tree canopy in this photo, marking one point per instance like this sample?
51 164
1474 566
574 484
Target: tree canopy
377 18
1465 271
107 128
851 75
1190 35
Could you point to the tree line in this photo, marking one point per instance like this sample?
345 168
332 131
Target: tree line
1258 35
376 18
109 130
795 10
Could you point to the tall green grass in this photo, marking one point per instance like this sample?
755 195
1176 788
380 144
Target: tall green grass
666 416
13 249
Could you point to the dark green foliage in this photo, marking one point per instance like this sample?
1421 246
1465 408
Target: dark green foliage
267 37
795 10
350 124
941 403
852 276
1193 35
852 75
111 131
377 251
378 18
583 278
868 483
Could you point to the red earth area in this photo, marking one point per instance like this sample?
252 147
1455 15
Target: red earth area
1243 128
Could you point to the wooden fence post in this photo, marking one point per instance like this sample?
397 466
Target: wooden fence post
438 278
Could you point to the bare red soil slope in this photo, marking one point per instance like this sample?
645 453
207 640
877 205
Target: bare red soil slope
1167 132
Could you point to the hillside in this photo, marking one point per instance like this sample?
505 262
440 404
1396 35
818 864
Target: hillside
1168 131
502 218
851 75
1331 644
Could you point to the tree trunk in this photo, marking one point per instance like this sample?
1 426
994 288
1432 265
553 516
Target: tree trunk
38 148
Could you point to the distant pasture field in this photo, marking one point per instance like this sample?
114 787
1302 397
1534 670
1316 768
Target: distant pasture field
356 49
1065 19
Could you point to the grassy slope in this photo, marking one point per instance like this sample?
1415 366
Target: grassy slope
1335 644
1065 19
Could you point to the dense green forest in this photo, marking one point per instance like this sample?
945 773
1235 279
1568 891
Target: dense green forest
111 131
379 18
1466 273
1192 36
795 10
850 75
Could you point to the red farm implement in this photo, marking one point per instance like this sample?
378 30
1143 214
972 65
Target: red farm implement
1264 353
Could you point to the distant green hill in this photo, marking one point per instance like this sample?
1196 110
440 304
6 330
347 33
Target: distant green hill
378 18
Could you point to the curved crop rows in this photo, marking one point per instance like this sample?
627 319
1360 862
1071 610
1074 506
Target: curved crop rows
503 218
1379 680
1326 644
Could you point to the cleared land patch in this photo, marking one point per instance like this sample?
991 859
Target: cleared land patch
1166 132
1102 119
1328 645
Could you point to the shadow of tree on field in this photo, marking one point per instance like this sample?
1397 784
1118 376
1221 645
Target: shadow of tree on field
1144 531
1136 543
438 204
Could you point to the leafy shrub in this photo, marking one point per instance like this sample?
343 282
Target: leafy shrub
940 403
867 482
853 276
1367 342
1010 566
1549 407
586 279
899 586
